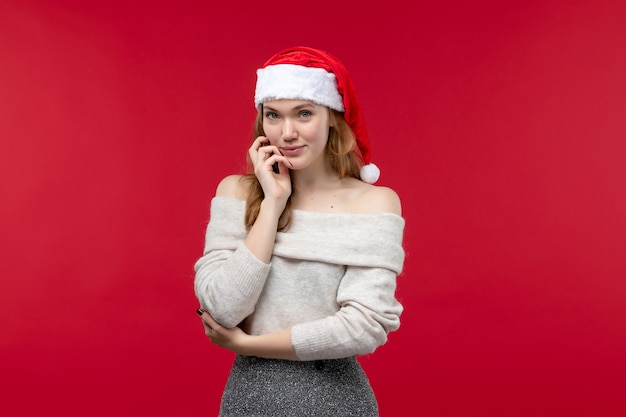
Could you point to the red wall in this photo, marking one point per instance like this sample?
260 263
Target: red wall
502 126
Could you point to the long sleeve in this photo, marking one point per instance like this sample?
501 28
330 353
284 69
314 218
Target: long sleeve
369 246
368 312
229 279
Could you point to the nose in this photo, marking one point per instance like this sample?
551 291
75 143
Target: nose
289 130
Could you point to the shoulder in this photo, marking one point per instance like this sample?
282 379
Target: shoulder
382 200
232 186
376 199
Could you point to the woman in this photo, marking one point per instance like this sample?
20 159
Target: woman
301 256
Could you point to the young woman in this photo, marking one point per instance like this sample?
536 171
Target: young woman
301 257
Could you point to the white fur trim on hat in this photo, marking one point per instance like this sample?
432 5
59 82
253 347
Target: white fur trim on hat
370 173
288 81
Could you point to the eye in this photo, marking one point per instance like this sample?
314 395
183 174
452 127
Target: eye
305 114
271 115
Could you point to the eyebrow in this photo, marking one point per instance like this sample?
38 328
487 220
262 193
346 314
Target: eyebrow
300 107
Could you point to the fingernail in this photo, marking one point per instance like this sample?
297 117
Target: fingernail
200 311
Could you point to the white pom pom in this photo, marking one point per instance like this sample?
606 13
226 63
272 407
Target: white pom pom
370 173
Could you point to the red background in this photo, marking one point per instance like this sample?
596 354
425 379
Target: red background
501 124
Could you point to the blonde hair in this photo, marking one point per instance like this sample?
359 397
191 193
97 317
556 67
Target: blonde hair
341 154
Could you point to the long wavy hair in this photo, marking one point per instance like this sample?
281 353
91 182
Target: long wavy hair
340 152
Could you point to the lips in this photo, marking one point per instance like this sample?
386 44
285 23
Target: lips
291 150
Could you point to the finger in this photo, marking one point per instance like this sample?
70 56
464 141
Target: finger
268 150
261 154
259 142
256 145
208 331
206 317
272 164
208 320
281 162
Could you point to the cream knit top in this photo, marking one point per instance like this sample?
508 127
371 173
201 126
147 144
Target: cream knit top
331 279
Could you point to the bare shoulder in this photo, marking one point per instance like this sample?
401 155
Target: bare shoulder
377 199
231 186
383 200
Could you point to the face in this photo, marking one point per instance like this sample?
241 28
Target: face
299 129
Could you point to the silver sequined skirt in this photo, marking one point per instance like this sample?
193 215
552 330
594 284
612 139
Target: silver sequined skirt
260 387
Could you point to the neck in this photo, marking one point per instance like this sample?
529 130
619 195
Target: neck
310 180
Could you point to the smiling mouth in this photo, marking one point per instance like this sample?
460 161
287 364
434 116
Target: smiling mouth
291 150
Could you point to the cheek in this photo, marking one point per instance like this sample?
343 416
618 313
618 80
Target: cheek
271 132
321 135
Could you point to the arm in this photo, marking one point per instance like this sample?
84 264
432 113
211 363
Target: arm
228 283
230 280
276 189
275 345
258 244
369 311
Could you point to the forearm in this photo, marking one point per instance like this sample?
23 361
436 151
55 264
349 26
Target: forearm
271 345
260 239
369 312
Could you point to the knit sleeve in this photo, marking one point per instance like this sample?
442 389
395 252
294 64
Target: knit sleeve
368 312
229 278
373 256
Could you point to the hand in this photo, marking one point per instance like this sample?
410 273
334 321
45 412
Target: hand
263 155
220 335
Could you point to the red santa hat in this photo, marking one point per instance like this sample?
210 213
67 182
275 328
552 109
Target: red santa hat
302 73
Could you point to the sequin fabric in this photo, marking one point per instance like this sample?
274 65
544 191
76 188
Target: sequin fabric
260 387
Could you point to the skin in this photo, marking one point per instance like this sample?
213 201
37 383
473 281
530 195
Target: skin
296 135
